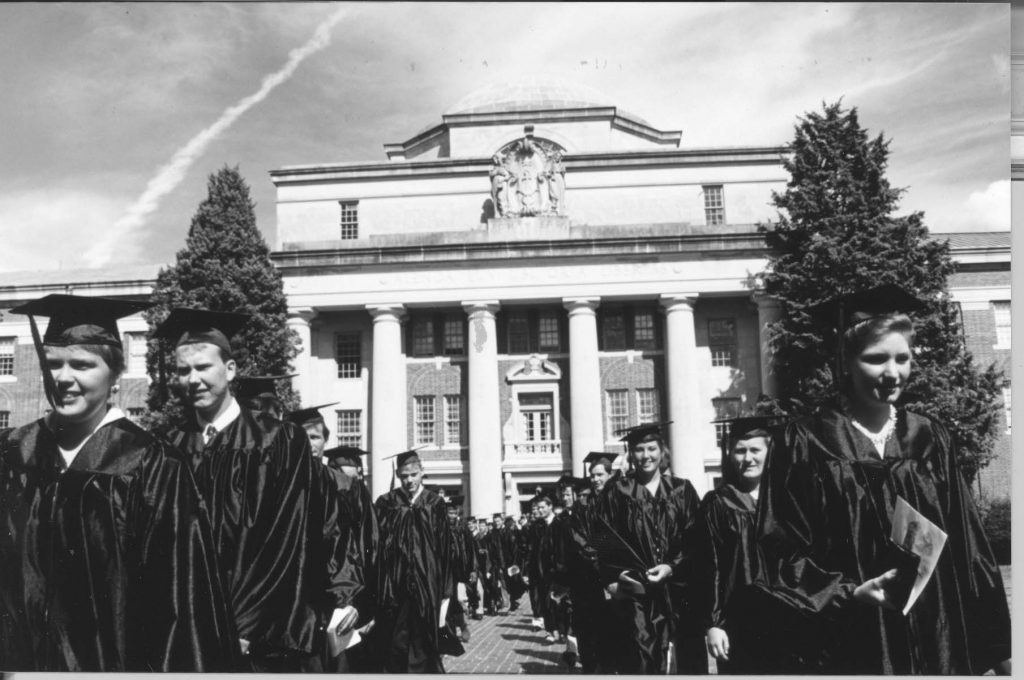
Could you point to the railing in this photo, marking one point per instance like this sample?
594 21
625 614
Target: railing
532 449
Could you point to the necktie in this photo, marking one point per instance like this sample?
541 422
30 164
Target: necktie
209 434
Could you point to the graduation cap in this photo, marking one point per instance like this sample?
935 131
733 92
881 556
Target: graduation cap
345 455
843 311
81 320
75 320
750 426
405 457
577 484
185 326
456 501
252 386
608 459
637 433
311 414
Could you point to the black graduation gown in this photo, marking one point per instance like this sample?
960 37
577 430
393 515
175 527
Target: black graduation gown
657 529
109 564
827 502
415 572
360 538
267 506
727 558
540 568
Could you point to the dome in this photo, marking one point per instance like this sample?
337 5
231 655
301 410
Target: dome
531 93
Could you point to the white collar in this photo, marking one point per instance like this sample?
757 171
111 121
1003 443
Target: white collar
113 413
224 419
879 439
550 518
653 485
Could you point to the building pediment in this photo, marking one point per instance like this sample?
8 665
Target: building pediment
534 369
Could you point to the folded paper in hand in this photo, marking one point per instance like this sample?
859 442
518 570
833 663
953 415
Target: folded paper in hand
915 533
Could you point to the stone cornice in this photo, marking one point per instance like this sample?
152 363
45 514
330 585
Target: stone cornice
768 155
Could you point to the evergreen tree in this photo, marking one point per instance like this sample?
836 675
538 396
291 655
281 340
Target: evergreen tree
224 266
837 233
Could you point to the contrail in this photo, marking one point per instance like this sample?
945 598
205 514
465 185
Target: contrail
170 175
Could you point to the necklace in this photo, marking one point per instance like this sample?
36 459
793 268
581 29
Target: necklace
880 438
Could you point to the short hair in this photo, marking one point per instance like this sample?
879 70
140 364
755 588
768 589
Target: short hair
604 462
543 499
861 334
112 356
325 431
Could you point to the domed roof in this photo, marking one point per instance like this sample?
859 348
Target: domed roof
531 93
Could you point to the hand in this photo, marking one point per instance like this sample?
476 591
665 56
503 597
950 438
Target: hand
872 591
349 616
659 573
718 644
526 579
244 645
368 627
1003 668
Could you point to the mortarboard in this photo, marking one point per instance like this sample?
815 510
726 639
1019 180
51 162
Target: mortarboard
750 425
842 311
456 501
406 457
599 457
345 455
81 320
252 386
576 483
310 414
636 433
186 326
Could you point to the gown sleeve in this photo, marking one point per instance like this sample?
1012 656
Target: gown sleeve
709 540
792 528
186 625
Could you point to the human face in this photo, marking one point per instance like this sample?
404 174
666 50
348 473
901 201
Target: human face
203 377
453 514
647 458
568 497
315 432
83 381
747 458
543 509
879 372
411 477
599 475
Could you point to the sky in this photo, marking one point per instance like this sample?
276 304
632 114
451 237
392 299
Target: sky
113 116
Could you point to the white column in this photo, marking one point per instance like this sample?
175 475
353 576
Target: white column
388 430
769 310
299 319
584 381
682 381
486 491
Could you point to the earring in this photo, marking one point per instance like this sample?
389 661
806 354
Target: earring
115 389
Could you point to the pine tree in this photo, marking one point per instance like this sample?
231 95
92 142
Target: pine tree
224 266
837 233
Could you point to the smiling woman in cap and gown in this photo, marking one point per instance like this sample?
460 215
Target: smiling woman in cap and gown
727 558
827 507
640 529
276 530
415 569
106 556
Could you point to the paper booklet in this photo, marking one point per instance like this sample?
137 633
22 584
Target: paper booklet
914 532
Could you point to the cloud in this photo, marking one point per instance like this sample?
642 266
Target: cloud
171 174
991 206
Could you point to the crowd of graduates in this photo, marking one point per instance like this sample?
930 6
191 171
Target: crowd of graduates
238 543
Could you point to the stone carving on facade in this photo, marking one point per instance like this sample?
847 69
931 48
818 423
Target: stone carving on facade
528 179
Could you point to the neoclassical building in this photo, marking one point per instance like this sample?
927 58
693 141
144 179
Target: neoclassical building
512 285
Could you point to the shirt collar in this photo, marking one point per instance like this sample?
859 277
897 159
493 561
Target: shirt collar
224 419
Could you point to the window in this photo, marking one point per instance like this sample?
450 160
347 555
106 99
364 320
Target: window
350 428
452 419
135 415
423 337
518 333
1006 406
647 406
347 354
725 407
618 411
424 414
135 353
1002 314
722 341
613 331
454 336
547 331
644 336
6 356
349 220
5 419
714 204
537 411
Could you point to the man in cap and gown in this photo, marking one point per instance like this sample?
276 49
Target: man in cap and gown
276 531
463 565
415 573
107 556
